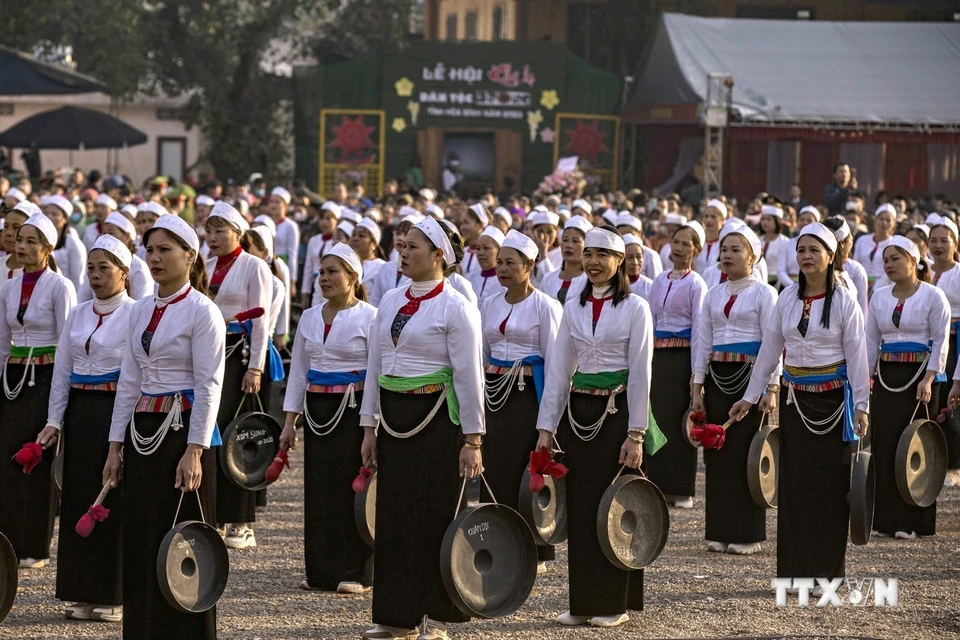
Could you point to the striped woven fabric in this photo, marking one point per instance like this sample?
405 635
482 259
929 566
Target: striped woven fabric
671 343
160 404
37 360
337 388
525 370
816 371
597 392
908 356
104 386
729 356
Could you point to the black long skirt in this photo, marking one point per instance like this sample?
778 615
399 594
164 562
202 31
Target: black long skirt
674 468
891 412
951 426
89 569
418 485
267 390
234 505
333 549
150 503
813 516
597 588
731 514
29 503
511 436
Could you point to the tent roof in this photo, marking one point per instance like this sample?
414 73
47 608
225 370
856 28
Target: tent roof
23 74
794 71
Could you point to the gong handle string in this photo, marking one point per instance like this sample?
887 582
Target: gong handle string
917 408
244 399
180 503
463 487
622 467
489 490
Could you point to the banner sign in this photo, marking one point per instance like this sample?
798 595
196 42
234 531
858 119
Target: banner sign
485 85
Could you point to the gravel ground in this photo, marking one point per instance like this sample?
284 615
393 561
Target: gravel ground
689 593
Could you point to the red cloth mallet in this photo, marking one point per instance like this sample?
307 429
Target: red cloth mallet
361 482
273 471
29 456
249 314
711 436
96 513
541 464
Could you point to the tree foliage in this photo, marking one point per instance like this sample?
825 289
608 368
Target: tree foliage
219 53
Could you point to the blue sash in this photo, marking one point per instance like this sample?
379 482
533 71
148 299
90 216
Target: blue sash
103 378
236 327
274 362
840 374
685 334
912 347
743 348
955 329
536 366
215 440
336 378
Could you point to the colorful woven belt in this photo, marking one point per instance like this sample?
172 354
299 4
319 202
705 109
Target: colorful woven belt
160 404
525 370
908 356
38 360
829 369
336 388
729 356
671 343
103 386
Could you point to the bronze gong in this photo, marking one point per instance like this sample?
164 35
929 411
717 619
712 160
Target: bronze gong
632 522
250 443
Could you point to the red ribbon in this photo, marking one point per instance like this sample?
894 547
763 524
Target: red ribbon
273 471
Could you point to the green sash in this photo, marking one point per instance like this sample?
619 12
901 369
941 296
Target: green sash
24 352
608 381
443 376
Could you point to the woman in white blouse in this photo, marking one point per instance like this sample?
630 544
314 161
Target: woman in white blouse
472 224
326 384
239 282
365 242
147 215
519 327
568 281
630 225
675 301
484 281
774 242
317 247
543 227
70 253
596 400
141 283
639 283
789 269
84 388
712 220
868 249
849 272
908 331
425 351
823 408
33 312
946 276
164 425
10 267
735 318
390 275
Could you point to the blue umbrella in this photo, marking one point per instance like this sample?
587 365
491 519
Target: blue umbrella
71 128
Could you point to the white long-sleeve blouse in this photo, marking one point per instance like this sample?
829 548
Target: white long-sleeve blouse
924 319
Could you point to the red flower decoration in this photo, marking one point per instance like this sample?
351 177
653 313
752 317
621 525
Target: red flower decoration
698 418
587 141
541 464
96 513
353 140
945 413
711 436
29 456
362 481
273 471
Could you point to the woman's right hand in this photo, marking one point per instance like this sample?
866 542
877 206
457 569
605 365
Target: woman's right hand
288 437
953 400
740 410
696 402
189 470
113 469
545 440
368 450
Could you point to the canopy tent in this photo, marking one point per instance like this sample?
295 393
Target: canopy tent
804 73
22 74
72 128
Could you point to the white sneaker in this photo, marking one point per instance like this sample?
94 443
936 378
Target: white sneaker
716 547
952 478
351 588
609 621
744 549
33 563
684 503
383 632
239 536
433 630
570 620
107 614
79 611
541 568
903 535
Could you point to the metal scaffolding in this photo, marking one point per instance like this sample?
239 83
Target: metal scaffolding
715 115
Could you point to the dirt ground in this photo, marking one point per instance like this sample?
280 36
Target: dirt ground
689 593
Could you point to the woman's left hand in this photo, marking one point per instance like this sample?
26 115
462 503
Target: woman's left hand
471 462
861 422
631 453
251 382
925 389
768 403
189 471
48 437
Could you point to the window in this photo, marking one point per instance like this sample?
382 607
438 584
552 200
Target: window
451 27
498 23
470 26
